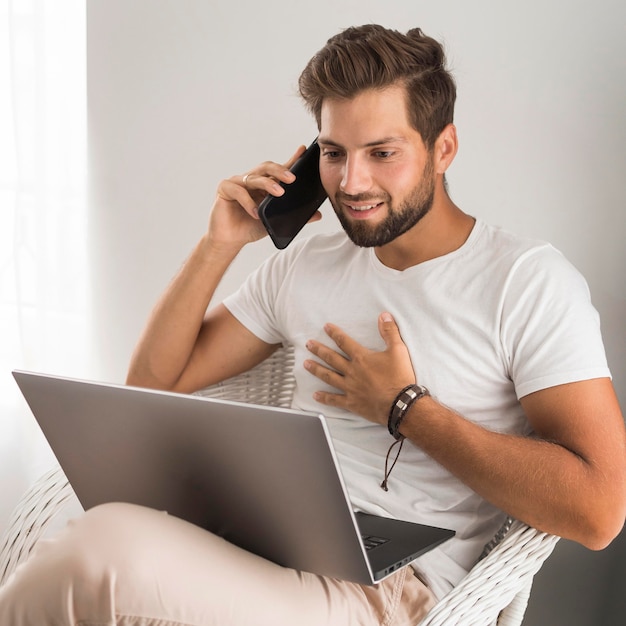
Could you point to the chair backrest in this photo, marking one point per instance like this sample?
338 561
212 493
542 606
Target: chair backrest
271 382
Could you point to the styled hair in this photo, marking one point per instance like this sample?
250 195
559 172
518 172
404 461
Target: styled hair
373 57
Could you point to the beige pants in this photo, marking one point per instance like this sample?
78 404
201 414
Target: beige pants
120 564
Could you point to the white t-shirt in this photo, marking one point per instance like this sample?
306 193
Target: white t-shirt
485 325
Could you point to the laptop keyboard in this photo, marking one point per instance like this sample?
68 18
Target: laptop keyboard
371 542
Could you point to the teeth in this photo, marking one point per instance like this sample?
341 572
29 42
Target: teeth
362 208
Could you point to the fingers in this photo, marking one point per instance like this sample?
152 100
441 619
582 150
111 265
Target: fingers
331 399
266 176
296 155
329 373
249 189
343 341
262 180
317 216
329 376
333 359
234 217
388 329
232 191
366 380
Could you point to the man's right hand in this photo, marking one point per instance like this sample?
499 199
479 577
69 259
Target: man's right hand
234 219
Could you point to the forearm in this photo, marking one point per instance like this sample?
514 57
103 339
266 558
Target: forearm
170 335
539 482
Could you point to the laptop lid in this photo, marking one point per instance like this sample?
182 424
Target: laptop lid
264 478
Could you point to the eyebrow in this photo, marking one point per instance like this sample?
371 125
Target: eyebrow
369 144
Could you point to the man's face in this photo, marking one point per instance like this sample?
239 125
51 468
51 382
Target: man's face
377 172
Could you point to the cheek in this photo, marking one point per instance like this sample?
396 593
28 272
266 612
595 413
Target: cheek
406 173
395 178
330 176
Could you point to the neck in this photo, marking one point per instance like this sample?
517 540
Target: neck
444 229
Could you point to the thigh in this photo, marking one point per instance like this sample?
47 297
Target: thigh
123 564
191 576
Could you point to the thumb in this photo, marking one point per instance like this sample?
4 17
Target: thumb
388 329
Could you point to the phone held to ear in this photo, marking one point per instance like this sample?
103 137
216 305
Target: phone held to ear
285 216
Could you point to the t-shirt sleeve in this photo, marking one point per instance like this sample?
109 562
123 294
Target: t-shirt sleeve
254 304
550 330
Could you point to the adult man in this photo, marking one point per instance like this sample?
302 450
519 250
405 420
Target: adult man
512 408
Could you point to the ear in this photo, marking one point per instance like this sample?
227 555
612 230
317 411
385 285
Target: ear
446 147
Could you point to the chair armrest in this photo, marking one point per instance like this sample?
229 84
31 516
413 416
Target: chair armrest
32 515
494 582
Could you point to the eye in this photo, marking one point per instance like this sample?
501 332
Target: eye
383 154
331 154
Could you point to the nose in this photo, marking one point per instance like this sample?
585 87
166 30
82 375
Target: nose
355 177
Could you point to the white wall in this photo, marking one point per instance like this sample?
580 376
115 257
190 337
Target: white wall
185 92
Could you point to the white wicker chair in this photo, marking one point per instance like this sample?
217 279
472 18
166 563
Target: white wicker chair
495 591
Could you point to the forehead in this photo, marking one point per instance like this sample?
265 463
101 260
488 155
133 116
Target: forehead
370 114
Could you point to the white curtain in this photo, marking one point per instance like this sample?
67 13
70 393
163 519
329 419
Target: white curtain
43 286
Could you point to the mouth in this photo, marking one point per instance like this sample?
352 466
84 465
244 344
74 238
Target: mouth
361 210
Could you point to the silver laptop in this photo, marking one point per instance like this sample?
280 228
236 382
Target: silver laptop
266 479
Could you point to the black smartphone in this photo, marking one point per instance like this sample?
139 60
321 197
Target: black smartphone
285 216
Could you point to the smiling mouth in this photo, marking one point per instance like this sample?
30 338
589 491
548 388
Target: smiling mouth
362 210
365 207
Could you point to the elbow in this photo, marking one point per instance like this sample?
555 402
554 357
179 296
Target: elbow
134 381
147 381
602 537
141 373
137 378
134 378
604 512
135 375
602 526
131 379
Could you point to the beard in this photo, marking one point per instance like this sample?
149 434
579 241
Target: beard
398 221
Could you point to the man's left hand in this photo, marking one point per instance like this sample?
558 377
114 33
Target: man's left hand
368 381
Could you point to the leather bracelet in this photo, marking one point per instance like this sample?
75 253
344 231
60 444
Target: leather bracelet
400 406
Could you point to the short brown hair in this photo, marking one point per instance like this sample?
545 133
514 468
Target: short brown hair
374 57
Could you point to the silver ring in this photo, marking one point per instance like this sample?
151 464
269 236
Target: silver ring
245 180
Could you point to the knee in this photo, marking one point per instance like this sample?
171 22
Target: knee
109 536
77 569
103 540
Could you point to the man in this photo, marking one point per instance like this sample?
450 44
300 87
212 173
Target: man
490 342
